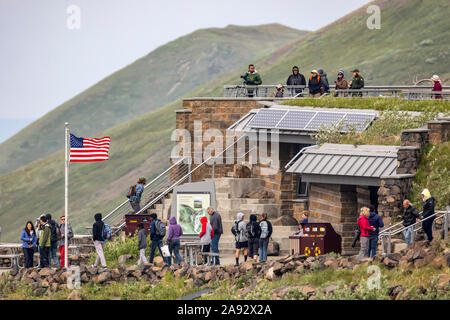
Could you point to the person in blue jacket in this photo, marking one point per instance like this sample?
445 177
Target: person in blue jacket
29 239
377 222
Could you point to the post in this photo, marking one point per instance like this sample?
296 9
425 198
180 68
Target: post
189 169
66 198
446 222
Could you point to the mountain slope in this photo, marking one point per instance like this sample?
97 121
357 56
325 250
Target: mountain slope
161 77
412 43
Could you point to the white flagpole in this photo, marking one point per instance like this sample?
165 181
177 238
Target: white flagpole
66 202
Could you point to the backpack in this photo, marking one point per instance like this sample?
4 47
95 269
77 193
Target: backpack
252 230
160 228
106 232
234 229
264 225
54 234
131 192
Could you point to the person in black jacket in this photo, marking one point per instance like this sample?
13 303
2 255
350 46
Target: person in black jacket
314 84
266 232
325 86
253 233
410 215
296 79
377 222
428 210
99 242
54 237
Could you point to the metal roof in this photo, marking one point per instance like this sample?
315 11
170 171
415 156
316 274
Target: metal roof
346 164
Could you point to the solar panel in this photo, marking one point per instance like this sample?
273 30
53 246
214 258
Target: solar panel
267 118
360 121
325 119
296 120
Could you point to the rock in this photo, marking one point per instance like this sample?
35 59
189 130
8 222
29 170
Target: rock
84 278
277 267
273 248
270 275
131 269
188 282
418 263
92 270
260 193
54 287
229 268
285 221
395 291
308 290
443 260
333 264
45 284
45 272
443 280
158 261
102 277
124 258
74 295
14 271
395 256
330 289
247 266
390 263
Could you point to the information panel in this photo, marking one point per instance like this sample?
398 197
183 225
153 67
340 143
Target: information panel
191 207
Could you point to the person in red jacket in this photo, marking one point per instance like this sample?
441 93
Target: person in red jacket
437 86
364 227
206 235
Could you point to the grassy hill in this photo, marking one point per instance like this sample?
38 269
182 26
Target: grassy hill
411 43
141 146
153 81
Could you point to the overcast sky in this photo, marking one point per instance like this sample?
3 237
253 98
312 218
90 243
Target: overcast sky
44 63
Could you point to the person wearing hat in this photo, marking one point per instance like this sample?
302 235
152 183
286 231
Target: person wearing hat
341 83
325 86
314 84
296 79
135 199
357 83
280 91
437 86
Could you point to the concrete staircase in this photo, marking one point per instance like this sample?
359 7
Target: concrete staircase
229 200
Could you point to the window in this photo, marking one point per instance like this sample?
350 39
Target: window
302 187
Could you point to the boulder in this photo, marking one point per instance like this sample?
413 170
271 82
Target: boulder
443 280
45 272
158 261
123 259
273 248
270 275
277 267
308 290
443 260
333 264
418 263
330 289
102 277
390 263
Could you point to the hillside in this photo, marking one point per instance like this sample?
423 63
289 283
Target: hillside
161 77
144 142
411 43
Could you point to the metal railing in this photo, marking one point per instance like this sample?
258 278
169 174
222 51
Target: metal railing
298 155
405 92
386 234
185 177
155 186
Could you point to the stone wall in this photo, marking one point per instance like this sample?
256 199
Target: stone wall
408 159
439 130
338 205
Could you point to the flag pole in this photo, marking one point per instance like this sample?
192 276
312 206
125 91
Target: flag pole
66 198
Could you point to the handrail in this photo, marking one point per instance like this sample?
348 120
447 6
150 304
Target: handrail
146 186
164 193
297 155
418 222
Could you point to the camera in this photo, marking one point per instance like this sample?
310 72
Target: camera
244 76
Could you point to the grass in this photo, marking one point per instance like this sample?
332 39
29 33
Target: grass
433 173
375 103
386 130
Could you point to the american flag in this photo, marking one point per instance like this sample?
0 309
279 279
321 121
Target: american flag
87 150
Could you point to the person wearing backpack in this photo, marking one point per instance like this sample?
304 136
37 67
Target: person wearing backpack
61 241
157 233
44 242
266 232
239 231
135 193
206 235
253 233
54 238
99 240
